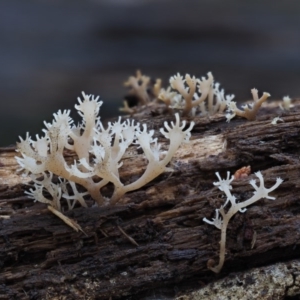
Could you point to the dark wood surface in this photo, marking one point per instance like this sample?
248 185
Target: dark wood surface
42 258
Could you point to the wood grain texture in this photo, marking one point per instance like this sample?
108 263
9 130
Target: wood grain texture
42 258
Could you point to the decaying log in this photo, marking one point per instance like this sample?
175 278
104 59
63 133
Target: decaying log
42 258
276 281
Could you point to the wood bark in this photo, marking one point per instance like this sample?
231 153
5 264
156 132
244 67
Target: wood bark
42 258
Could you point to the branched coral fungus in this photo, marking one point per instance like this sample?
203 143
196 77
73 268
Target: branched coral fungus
142 90
192 96
99 151
190 93
250 111
223 215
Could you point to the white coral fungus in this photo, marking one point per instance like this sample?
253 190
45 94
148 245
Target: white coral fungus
99 151
249 110
223 215
195 96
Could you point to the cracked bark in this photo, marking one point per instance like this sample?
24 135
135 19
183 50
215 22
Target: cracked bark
42 258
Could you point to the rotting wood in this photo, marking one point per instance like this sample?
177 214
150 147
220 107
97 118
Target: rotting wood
277 281
42 258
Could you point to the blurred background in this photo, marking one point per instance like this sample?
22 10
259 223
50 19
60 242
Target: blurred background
50 51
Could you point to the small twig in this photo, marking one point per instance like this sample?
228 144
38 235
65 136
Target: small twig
104 233
131 240
253 240
67 220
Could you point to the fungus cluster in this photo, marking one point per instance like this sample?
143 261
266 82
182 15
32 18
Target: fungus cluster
99 150
190 96
225 213
99 153
195 96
